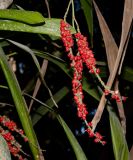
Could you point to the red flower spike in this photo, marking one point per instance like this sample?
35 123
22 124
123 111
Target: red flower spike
85 52
20 158
25 139
84 55
13 145
103 142
116 97
90 124
98 136
106 92
66 35
96 140
97 70
89 131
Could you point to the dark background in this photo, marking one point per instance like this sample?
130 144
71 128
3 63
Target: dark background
50 134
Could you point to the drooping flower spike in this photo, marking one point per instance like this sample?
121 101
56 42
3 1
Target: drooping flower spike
83 55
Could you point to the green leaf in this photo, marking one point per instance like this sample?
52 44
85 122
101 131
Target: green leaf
73 141
20 104
127 74
51 27
28 17
88 9
41 111
86 86
29 21
120 147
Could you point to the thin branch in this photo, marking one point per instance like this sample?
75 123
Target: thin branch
38 83
114 71
48 8
43 104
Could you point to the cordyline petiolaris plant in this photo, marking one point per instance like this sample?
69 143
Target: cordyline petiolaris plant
81 59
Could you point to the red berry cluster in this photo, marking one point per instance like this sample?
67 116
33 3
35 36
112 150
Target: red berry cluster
88 58
14 146
97 136
77 87
66 35
114 94
84 55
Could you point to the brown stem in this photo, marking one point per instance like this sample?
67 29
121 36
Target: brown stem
38 83
48 9
131 153
114 70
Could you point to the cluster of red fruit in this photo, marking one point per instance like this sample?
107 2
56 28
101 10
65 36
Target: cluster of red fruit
84 55
14 146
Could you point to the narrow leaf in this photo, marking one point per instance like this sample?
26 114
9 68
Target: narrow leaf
127 74
118 139
29 21
110 45
38 83
113 69
73 141
28 17
51 27
41 111
127 24
88 9
28 50
20 104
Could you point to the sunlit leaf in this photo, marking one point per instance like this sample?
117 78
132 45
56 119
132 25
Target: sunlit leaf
28 21
28 17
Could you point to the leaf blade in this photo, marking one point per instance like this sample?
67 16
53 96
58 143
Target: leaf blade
110 44
41 111
74 143
87 9
29 17
119 143
20 104
29 21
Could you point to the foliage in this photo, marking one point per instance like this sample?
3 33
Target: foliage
47 31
